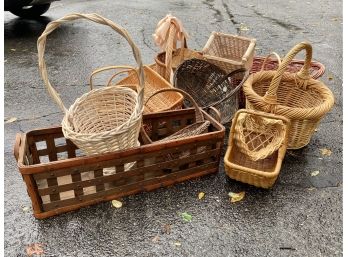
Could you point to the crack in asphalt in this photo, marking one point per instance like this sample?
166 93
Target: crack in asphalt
144 40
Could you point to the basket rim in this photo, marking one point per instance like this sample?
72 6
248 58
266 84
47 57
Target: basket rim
94 137
261 173
71 162
147 69
290 112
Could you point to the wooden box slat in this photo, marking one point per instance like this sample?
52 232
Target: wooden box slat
60 179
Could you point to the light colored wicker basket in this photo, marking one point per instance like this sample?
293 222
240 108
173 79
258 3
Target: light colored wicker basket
229 52
153 83
168 61
263 172
105 119
294 95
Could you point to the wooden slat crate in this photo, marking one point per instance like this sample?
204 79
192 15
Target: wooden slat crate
60 179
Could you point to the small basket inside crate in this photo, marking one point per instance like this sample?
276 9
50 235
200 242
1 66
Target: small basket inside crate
229 52
59 178
210 86
255 151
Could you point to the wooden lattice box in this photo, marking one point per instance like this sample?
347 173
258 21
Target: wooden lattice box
60 179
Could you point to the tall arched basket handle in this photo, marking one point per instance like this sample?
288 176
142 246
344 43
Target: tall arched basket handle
41 44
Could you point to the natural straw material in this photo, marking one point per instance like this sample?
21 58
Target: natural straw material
172 57
263 172
258 136
260 63
294 95
198 127
210 86
102 120
229 52
153 83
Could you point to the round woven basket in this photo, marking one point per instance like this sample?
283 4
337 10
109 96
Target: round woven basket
296 96
168 61
106 119
210 86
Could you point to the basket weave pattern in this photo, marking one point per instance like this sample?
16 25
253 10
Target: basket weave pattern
229 52
294 95
262 172
102 120
210 86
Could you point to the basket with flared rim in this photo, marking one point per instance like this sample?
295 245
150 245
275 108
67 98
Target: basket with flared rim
296 96
105 119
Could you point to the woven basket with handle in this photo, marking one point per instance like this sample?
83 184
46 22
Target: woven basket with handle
168 61
239 162
105 119
210 86
296 96
153 83
229 52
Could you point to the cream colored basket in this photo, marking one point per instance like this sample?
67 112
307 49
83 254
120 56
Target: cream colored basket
229 52
106 119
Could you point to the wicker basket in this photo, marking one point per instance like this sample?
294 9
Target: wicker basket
294 95
198 127
229 52
153 83
264 171
168 61
106 119
59 179
210 86
260 63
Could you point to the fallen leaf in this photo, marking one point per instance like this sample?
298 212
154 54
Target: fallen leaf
186 217
34 249
177 243
330 77
155 239
167 229
13 50
25 209
10 120
116 204
5 60
236 197
334 19
243 27
201 195
315 173
325 151
311 188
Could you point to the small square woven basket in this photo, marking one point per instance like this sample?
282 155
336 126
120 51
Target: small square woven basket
229 52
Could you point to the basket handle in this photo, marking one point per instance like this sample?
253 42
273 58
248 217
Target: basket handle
198 112
271 95
172 45
18 143
249 50
217 113
253 112
95 72
41 44
268 57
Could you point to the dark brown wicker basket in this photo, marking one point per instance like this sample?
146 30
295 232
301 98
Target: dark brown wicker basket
210 86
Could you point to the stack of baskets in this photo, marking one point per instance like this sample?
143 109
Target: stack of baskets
137 126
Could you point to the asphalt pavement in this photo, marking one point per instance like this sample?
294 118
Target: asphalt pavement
300 216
